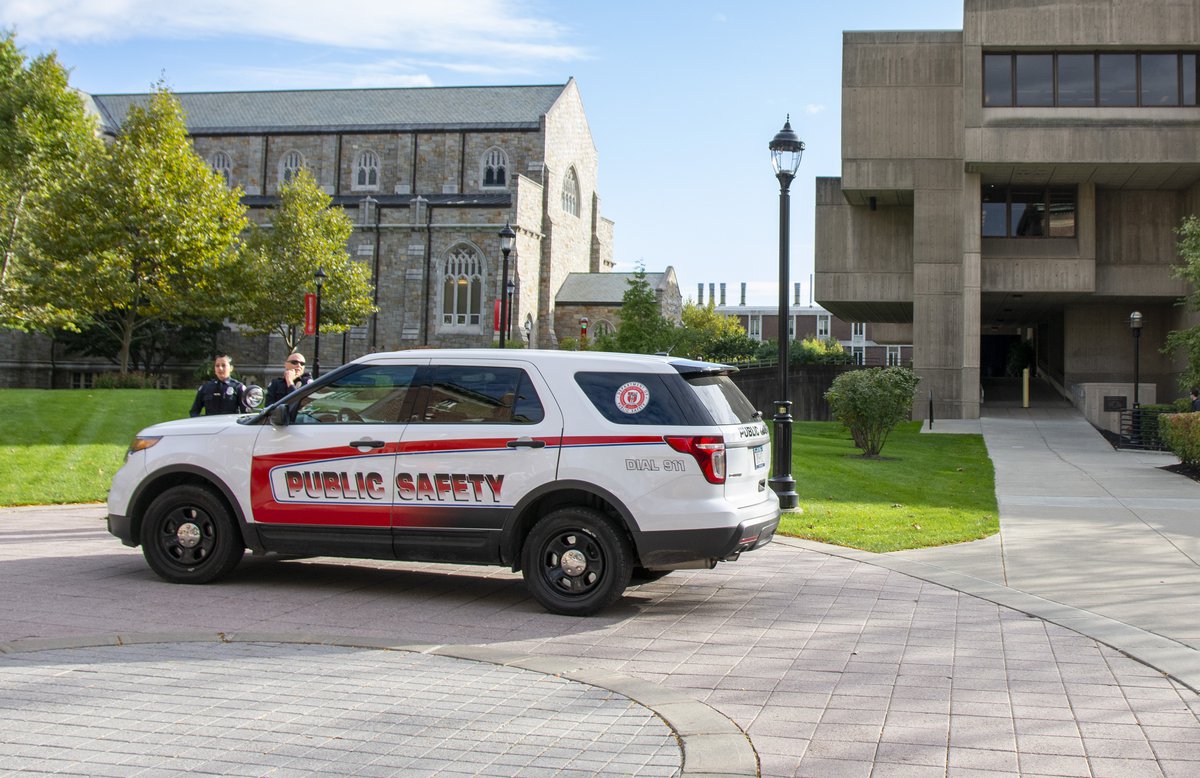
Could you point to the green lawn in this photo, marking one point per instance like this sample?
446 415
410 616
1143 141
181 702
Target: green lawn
63 446
927 490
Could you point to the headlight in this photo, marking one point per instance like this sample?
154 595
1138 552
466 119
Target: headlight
141 443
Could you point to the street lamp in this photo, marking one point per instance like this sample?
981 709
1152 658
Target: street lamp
1135 326
320 279
507 236
786 151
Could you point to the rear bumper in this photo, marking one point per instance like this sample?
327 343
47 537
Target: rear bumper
122 527
679 547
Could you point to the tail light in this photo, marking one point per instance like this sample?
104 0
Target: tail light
709 451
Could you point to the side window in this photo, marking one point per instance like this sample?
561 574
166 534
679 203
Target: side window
376 394
466 394
633 398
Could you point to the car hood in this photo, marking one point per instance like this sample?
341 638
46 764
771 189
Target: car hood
200 425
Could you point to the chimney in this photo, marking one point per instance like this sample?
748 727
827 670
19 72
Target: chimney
796 293
722 293
700 293
712 292
743 302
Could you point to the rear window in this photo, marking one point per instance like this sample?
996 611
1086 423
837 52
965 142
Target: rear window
640 398
723 399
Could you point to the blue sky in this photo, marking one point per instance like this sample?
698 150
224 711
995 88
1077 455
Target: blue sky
682 97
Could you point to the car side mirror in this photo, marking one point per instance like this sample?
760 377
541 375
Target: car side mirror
280 415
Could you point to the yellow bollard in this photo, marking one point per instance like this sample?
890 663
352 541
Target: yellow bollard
1025 388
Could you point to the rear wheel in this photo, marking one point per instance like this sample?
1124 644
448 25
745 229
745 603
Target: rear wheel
188 536
576 561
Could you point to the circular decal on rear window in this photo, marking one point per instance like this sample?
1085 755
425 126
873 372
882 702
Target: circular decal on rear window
633 397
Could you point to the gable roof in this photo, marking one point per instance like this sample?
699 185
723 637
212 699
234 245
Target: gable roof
605 288
359 110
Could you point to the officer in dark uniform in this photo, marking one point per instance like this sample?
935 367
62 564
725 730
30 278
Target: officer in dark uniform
223 394
293 378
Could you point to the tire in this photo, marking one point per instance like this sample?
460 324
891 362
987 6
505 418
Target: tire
644 575
188 536
576 562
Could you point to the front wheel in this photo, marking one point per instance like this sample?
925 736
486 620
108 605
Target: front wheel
576 562
188 536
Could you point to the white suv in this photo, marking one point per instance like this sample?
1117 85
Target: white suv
582 470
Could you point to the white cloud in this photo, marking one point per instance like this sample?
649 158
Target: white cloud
476 28
814 108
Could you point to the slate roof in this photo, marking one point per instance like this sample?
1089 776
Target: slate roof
601 288
359 110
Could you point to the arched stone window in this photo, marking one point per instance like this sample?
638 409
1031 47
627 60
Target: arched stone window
289 166
494 169
570 192
366 171
462 287
222 165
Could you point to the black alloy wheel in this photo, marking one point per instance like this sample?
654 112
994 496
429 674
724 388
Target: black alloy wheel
576 561
188 536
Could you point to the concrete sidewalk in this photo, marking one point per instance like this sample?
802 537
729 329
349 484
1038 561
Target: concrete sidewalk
1107 532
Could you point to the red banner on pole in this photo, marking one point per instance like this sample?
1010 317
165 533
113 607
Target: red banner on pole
310 313
496 317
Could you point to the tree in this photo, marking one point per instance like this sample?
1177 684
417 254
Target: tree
156 343
146 233
871 402
45 136
281 261
1188 340
706 334
642 330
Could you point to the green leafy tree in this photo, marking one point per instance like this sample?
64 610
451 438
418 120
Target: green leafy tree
871 402
815 351
305 235
147 233
1188 341
642 330
155 344
45 136
706 334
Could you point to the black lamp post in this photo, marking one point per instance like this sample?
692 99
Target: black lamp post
510 288
507 236
786 151
320 279
1135 326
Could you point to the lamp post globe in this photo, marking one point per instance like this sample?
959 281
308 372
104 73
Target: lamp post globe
319 277
507 238
786 150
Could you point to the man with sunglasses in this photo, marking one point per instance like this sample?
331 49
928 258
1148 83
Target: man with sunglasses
293 378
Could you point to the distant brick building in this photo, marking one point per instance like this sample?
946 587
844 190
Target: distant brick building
598 297
429 176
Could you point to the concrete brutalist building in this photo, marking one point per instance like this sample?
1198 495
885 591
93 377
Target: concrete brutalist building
1021 179
429 176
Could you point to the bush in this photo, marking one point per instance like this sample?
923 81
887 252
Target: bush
1181 433
813 351
871 402
126 381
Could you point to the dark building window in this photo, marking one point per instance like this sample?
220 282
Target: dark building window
1027 212
1085 79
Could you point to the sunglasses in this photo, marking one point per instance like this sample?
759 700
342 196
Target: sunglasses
295 362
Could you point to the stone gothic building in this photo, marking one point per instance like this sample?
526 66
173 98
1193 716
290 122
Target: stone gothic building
430 176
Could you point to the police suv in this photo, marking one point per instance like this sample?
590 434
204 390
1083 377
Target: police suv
582 470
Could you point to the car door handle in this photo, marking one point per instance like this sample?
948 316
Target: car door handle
367 443
526 443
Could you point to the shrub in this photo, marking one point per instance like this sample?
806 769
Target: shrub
126 381
871 402
1181 433
813 351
